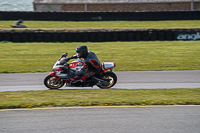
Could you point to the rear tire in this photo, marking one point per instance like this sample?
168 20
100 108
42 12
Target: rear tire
49 82
108 75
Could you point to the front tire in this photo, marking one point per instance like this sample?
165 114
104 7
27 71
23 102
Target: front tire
50 82
108 75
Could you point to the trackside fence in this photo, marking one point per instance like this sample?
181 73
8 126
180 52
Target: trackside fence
100 36
100 16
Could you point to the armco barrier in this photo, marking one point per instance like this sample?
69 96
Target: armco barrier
100 16
100 36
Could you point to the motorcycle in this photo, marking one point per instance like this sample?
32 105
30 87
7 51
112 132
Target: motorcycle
62 75
18 26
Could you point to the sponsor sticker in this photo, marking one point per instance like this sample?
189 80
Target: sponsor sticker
188 36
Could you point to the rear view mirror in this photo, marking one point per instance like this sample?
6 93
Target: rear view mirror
64 55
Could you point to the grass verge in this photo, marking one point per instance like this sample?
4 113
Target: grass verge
128 56
98 97
102 25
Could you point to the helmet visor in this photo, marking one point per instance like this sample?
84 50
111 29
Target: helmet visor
79 53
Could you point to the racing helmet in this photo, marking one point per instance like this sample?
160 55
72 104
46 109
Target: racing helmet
82 51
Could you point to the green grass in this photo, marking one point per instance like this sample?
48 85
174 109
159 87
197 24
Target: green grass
152 55
84 25
99 97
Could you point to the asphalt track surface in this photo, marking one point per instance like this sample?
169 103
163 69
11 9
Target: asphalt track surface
129 119
126 80
168 119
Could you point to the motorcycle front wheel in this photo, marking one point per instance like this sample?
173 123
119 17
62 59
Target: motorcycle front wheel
112 80
50 82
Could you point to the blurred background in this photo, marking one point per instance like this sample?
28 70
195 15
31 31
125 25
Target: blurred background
16 5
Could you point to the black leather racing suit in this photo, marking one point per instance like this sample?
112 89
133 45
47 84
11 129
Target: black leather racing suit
91 67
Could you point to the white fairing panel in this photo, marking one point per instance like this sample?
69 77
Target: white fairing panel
75 68
56 65
108 65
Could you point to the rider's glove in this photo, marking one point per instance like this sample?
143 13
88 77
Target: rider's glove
67 59
63 61
64 55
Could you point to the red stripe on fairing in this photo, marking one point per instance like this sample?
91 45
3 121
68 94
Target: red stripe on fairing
114 64
58 69
53 74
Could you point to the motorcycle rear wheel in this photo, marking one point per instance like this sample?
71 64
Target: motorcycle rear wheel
108 75
50 82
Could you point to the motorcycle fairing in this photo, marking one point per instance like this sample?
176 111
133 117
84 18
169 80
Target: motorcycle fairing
57 69
53 74
108 65
76 65
57 65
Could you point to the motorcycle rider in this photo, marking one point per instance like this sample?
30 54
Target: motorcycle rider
18 24
91 67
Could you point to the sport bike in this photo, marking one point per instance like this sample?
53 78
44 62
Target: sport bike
62 74
18 26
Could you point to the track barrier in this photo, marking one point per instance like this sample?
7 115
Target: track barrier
100 16
100 35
